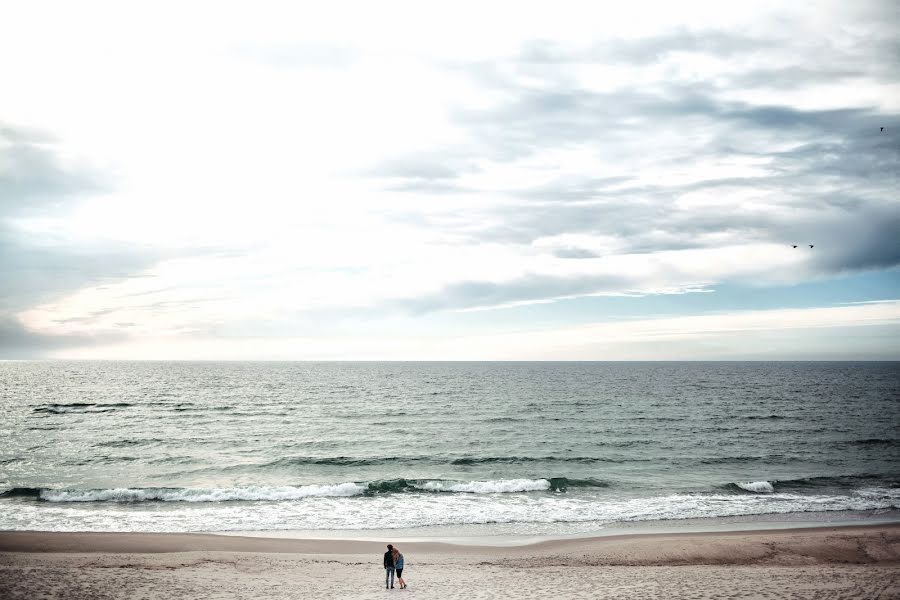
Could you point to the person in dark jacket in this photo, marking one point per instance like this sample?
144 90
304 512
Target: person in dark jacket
389 568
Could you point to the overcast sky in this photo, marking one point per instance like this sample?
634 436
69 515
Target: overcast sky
484 180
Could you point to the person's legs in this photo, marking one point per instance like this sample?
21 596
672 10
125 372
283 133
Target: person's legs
400 578
388 577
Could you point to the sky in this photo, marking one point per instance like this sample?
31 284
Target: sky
450 181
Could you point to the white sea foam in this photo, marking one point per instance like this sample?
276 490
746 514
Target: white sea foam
487 487
388 511
258 493
759 487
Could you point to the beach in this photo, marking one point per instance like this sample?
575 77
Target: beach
821 562
495 480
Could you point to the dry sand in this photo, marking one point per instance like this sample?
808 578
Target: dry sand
821 563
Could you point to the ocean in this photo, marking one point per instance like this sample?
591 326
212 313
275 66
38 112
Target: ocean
373 446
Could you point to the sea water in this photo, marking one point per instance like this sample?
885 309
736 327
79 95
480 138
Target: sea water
520 447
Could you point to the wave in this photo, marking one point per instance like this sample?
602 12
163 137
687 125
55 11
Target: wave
420 509
338 461
488 487
21 492
554 484
757 487
837 482
358 461
249 493
80 407
498 486
282 493
563 483
875 442
127 443
190 407
477 460
722 460
848 483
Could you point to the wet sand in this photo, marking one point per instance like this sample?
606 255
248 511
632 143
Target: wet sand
826 562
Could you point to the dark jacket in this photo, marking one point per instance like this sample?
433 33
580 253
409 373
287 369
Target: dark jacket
388 560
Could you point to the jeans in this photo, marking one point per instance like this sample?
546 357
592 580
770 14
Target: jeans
389 575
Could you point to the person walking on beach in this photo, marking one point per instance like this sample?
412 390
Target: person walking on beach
389 567
398 566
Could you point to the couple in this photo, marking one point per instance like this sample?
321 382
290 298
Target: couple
393 561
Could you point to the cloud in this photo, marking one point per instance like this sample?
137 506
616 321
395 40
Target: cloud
530 288
849 332
643 51
32 175
853 243
574 252
536 119
392 171
576 187
35 268
425 173
678 163
17 342
301 55
38 267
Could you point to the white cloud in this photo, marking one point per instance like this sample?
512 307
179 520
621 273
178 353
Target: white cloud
284 160
363 272
793 334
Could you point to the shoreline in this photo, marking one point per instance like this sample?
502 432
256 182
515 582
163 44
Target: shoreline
853 562
161 543
512 535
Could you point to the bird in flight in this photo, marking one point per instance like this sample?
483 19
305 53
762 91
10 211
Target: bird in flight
793 245
882 128
810 245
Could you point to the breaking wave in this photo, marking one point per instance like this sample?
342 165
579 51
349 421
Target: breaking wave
757 487
249 493
350 506
283 493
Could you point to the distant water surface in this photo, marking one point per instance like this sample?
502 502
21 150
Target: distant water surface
175 446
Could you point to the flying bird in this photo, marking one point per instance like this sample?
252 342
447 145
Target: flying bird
793 245
810 245
882 128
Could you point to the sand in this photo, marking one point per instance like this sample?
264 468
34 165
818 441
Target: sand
826 563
